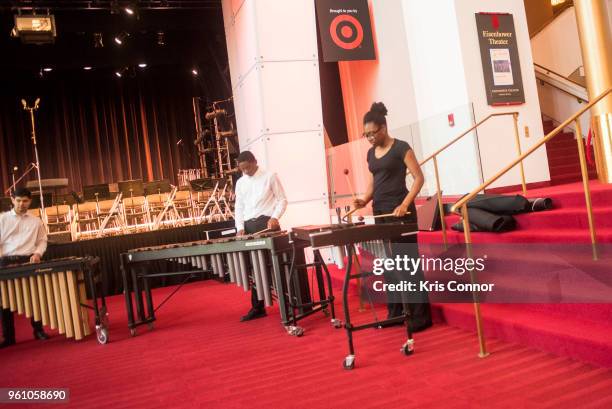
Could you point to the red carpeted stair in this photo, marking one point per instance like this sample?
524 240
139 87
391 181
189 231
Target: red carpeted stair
580 331
563 158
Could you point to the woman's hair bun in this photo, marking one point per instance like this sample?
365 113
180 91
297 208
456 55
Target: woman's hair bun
379 108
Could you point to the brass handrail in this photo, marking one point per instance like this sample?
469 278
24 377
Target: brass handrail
463 201
461 205
434 157
549 71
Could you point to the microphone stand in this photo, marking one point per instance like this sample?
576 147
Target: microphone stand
36 165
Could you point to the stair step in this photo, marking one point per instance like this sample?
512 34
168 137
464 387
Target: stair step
565 150
604 235
570 217
570 178
580 331
573 337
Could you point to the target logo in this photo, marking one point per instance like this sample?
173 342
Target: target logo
346 32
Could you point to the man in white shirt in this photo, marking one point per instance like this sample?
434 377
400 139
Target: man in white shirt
23 238
260 203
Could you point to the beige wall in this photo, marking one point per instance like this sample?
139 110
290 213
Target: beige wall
539 12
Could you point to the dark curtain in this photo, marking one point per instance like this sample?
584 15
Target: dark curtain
100 130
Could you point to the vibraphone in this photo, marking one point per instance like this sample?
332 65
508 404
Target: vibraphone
375 238
270 256
55 292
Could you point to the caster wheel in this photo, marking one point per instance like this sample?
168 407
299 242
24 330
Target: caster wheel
326 312
150 325
295 331
102 335
408 348
336 323
133 332
349 362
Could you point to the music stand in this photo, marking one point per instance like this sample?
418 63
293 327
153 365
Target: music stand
206 184
202 185
96 192
65 199
47 201
157 187
131 187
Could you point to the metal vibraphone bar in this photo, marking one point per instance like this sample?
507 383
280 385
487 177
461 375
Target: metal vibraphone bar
374 238
55 292
268 255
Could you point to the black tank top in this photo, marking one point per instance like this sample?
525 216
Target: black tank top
389 176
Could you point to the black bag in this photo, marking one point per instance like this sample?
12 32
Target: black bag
481 220
500 204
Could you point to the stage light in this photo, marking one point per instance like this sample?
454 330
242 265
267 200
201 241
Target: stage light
161 38
34 29
195 72
47 69
129 10
142 65
87 68
120 39
121 72
98 41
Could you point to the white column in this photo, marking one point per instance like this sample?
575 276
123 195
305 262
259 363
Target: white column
272 48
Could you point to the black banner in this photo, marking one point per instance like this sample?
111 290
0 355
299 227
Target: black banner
345 30
500 59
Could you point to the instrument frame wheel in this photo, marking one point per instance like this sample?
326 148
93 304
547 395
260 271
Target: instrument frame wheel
102 334
150 326
336 323
294 330
349 362
408 347
133 332
326 312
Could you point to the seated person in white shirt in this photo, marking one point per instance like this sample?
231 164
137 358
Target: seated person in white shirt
260 202
23 238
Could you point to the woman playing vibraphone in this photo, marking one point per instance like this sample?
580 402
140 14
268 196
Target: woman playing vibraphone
388 161
23 238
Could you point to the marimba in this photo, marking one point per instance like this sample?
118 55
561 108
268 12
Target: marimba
55 292
375 238
270 256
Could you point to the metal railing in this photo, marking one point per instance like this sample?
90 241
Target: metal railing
434 157
461 205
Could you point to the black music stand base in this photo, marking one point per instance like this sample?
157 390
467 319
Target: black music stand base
349 361
326 300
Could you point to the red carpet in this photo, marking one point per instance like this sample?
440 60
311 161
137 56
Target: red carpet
200 356
563 158
580 331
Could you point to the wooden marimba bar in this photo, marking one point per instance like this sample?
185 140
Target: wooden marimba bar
54 292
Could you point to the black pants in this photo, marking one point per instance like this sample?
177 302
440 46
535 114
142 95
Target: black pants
420 312
8 322
250 227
